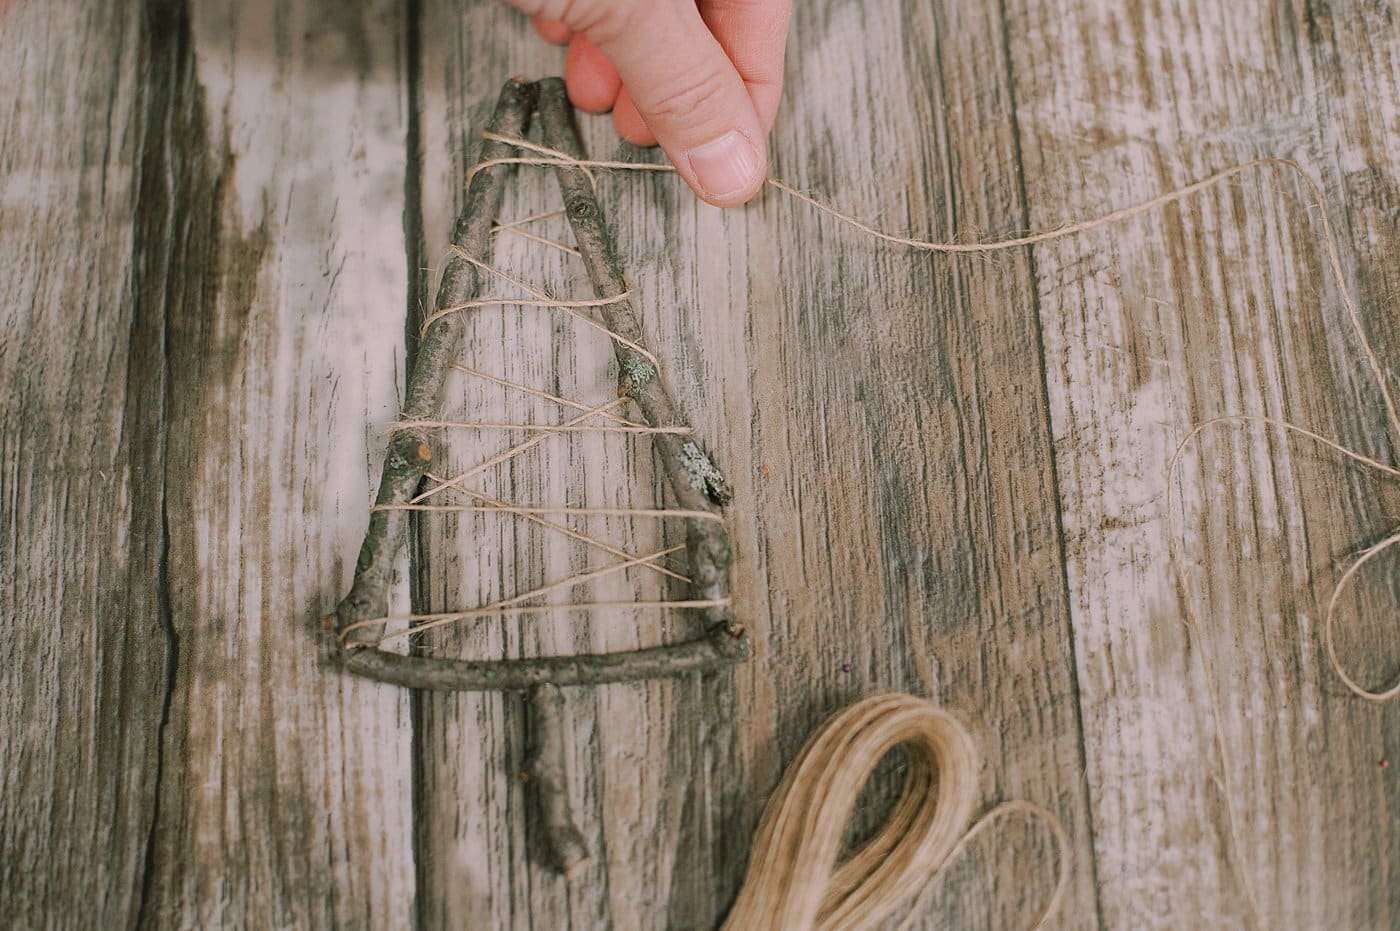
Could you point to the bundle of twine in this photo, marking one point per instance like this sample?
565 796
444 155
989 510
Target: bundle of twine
794 880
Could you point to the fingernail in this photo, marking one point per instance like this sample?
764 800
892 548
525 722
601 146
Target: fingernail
726 166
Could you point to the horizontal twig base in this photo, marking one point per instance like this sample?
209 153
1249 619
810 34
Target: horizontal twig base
718 649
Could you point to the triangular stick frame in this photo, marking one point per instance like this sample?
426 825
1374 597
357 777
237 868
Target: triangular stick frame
698 487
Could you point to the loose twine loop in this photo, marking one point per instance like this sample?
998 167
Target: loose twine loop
794 880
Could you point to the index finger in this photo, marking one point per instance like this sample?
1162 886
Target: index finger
753 33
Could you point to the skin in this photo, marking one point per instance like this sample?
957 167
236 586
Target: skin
700 78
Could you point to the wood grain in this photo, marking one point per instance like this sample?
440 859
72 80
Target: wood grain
869 367
285 792
1227 765
83 667
190 446
922 374
219 222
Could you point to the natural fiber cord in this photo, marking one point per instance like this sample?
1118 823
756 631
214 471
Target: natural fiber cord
794 881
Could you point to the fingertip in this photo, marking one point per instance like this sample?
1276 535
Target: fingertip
766 98
551 30
629 123
681 89
591 79
727 171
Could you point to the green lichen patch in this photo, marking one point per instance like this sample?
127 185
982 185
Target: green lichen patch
703 475
637 371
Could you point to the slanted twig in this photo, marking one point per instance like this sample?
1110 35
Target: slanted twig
696 483
411 451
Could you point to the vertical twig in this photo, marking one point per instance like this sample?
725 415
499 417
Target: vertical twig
410 451
548 770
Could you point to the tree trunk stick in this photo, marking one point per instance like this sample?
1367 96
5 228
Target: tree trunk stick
548 770
696 483
410 451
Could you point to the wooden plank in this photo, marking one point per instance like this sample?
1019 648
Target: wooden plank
1232 777
276 250
178 505
883 420
80 459
472 836
922 376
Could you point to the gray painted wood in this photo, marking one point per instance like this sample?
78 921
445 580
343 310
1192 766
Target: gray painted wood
218 223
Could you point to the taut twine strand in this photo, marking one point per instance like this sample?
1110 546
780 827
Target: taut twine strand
552 157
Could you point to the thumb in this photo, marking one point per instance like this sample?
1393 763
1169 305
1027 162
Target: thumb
689 93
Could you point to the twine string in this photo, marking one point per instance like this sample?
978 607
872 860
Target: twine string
543 395
546 156
516 228
553 157
496 607
516 450
569 307
549 509
536 428
795 879
582 422
566 531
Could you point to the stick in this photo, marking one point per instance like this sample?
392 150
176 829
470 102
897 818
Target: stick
439 674
410 451
547 768
697 484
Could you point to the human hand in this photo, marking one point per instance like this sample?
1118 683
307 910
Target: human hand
701 78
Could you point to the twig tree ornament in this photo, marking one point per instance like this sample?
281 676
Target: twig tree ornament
699 488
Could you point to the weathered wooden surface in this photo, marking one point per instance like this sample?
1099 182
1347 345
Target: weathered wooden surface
218 223
80 490
1219 307
195 362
